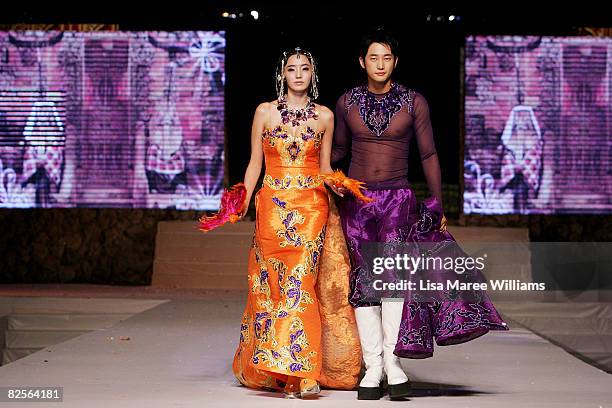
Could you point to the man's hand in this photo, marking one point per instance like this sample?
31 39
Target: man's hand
443 223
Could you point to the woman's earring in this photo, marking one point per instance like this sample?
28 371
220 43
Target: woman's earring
280 88
313 89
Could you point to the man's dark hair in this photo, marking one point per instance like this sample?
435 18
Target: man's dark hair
378 35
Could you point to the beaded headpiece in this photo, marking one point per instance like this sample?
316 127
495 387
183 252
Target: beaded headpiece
280 72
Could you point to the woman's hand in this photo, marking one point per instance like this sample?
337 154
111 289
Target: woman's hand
245 207
338 190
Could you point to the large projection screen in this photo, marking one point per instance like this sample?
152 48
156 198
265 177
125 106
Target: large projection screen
537 125
112 119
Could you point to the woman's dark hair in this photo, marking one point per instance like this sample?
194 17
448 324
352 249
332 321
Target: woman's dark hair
378 35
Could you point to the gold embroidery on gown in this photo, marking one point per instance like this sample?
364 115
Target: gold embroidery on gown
297 320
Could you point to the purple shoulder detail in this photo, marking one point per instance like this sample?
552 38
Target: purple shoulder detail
354 96
411 96
377 114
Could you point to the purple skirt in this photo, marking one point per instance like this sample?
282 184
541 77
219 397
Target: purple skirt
394 217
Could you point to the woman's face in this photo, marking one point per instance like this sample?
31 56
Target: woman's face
298 73
379 62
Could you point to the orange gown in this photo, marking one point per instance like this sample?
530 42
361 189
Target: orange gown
297 320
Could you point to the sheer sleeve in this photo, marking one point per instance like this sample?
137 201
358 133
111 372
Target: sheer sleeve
342 138
427 148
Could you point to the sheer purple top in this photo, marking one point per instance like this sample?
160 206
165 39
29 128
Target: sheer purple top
377 128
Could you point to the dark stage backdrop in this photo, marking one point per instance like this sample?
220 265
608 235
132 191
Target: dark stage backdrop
429 62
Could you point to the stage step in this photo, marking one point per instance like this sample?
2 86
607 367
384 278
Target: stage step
10 355
81 322
38 338
583 329
188 258
33 323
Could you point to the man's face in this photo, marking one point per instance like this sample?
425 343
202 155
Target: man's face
379 62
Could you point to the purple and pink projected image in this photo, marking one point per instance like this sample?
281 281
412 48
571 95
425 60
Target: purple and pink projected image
112 119
538 122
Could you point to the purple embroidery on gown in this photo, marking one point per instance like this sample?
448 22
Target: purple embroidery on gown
451 320
448 317
377 113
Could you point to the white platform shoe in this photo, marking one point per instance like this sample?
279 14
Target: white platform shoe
369 325
398 383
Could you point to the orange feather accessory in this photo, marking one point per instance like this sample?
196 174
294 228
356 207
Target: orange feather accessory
339 179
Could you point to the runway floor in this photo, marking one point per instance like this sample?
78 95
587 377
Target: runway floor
179 355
